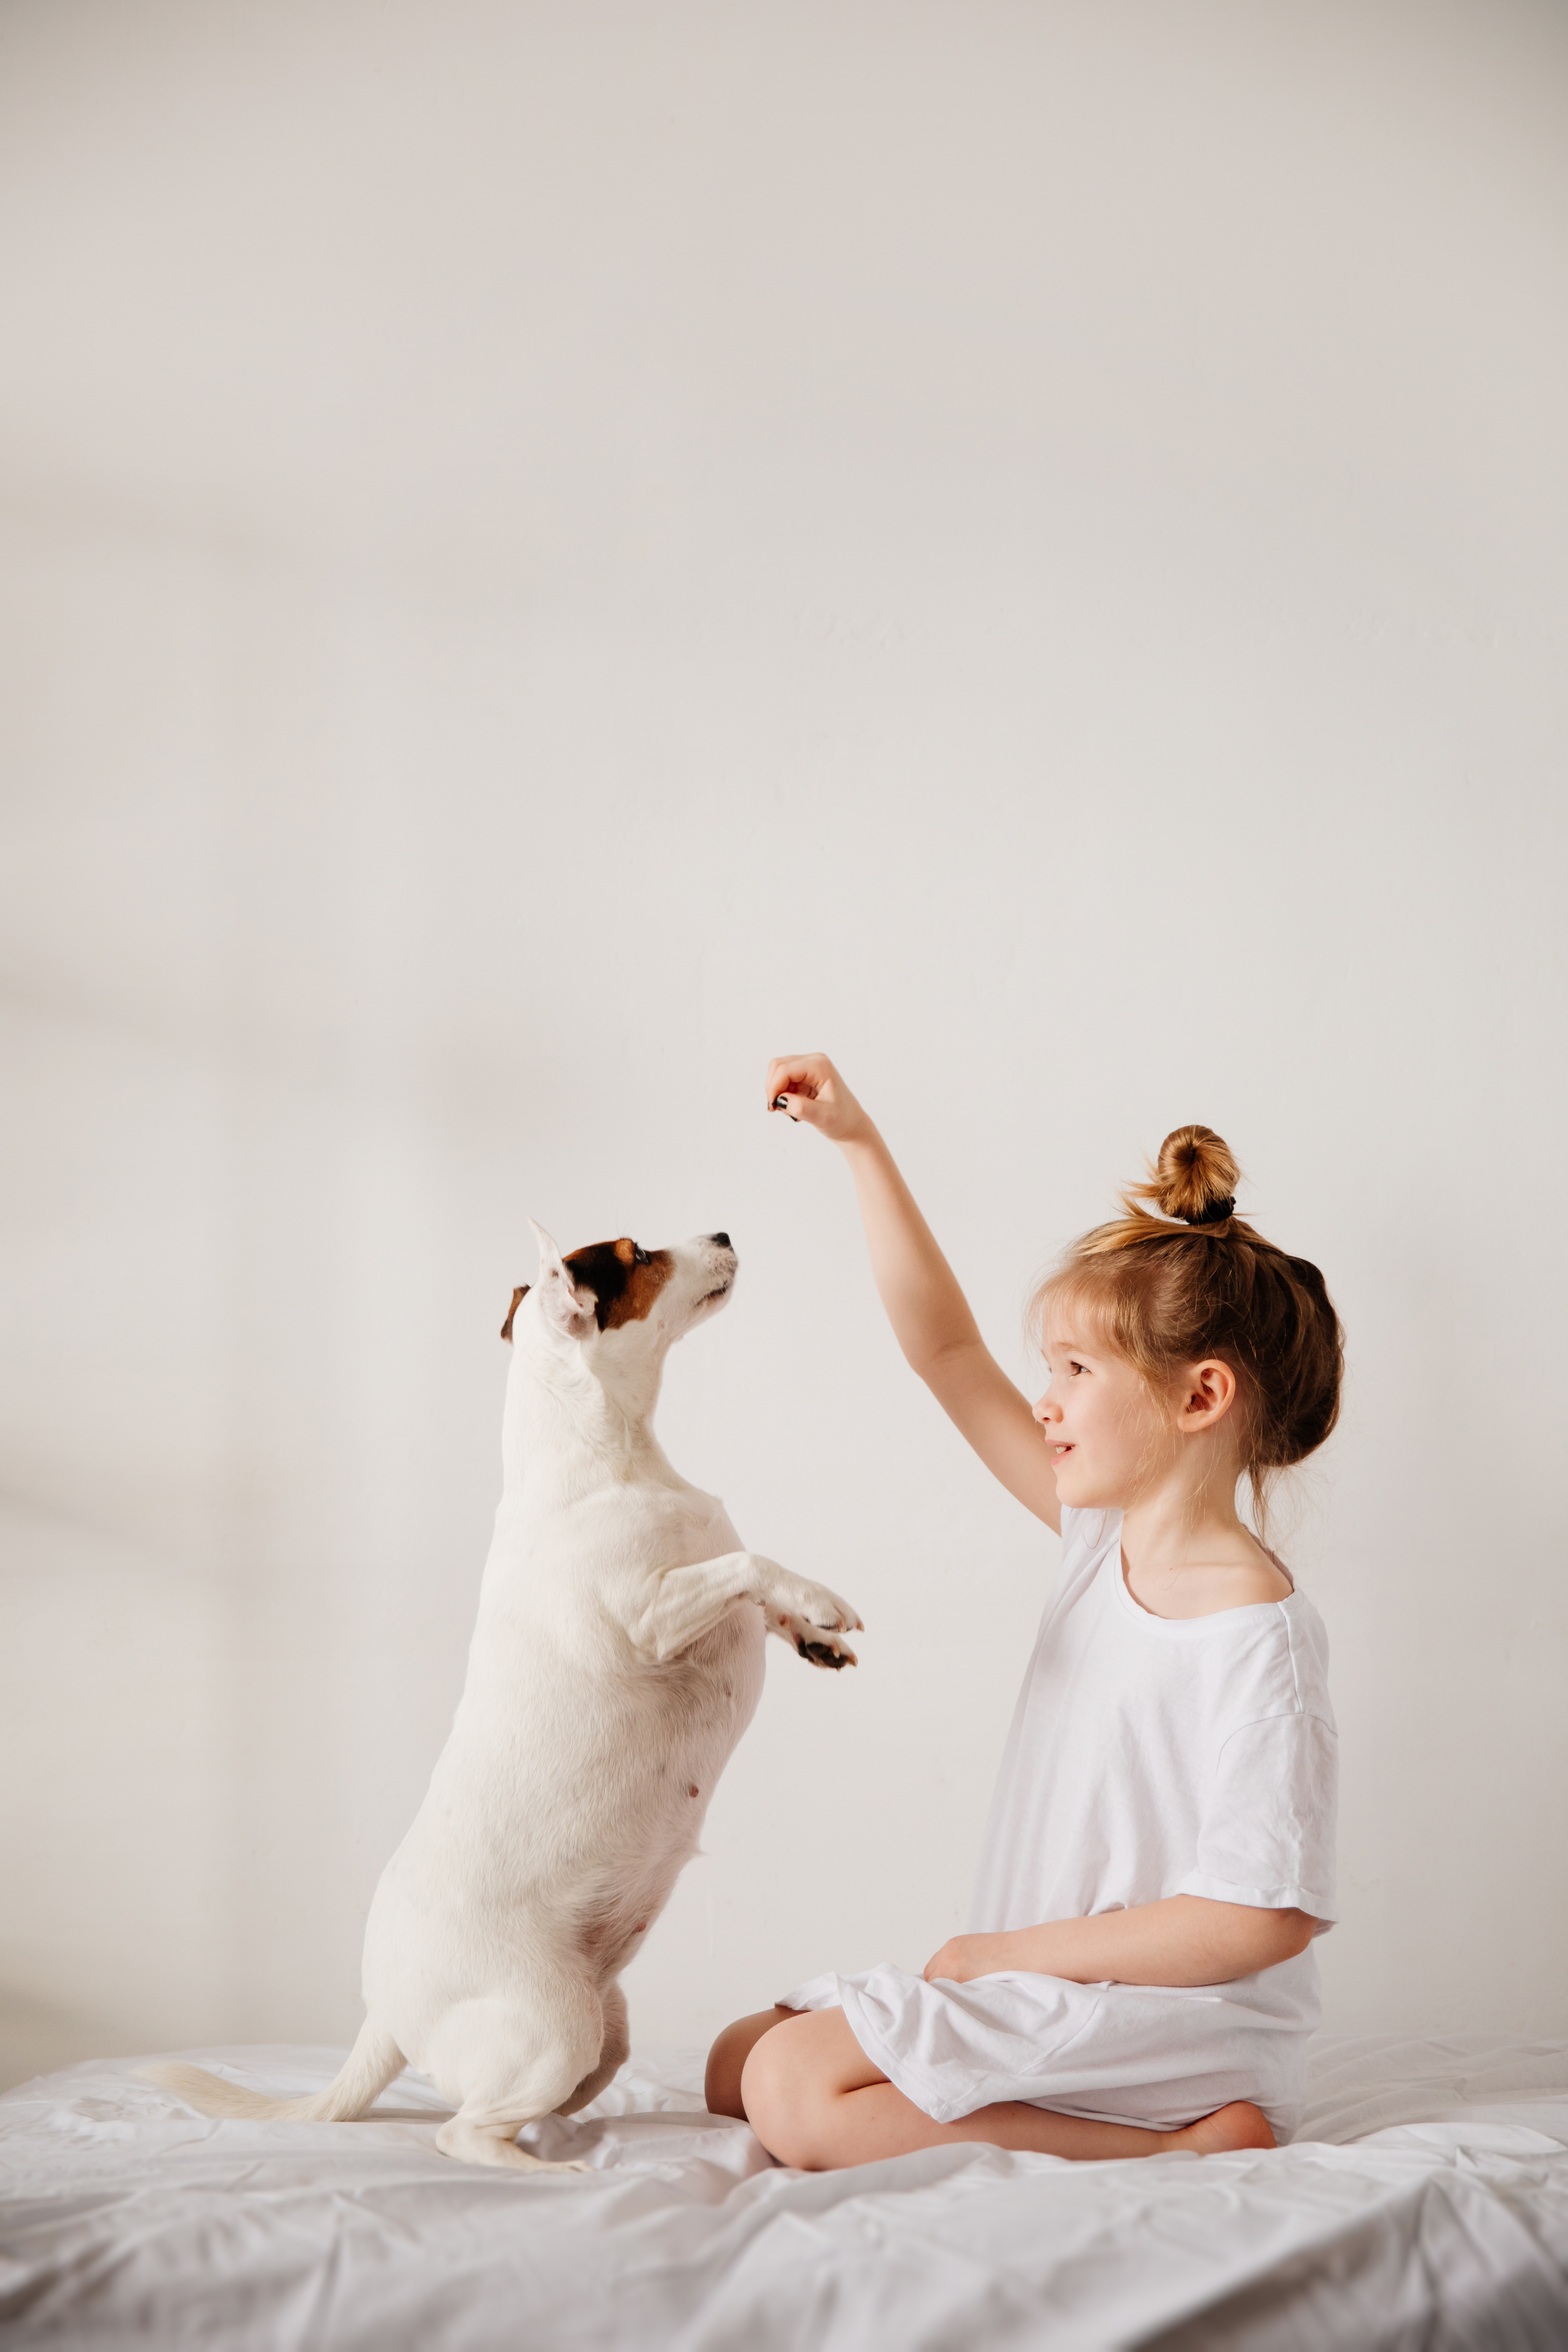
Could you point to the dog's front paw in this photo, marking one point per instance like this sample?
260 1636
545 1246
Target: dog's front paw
814 1620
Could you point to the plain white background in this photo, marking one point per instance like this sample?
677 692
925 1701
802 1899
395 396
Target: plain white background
550 552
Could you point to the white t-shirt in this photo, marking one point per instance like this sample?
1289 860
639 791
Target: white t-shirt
1148 1756
1157 1756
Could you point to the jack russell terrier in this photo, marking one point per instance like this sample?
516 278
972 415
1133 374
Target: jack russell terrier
616 1660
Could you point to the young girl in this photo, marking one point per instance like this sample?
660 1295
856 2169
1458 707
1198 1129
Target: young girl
1139 1975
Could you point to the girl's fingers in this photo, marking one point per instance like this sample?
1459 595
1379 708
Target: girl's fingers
810 1092
785 1071
800 1077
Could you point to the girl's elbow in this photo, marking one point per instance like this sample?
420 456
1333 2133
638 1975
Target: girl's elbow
927 1350
1288 1933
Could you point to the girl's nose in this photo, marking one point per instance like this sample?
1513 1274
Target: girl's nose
1044 1409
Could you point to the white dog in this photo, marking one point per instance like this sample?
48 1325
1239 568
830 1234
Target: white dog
616 1660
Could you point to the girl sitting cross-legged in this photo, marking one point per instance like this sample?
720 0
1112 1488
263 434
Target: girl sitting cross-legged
1139 1973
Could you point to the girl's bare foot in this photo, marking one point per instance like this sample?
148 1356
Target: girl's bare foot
1241 2124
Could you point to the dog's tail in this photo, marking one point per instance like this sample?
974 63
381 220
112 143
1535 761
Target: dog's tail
370 2065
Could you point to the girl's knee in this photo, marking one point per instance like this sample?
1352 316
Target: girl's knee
727 2058
773 2096
789 2087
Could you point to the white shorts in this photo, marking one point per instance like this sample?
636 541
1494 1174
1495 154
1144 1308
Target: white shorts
1155 2055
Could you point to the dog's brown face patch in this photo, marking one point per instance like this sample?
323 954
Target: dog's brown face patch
624 1278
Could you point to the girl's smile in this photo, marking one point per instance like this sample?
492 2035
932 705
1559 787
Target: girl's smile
1110 1412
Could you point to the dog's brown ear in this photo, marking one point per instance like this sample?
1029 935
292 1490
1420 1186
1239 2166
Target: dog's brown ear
518 1295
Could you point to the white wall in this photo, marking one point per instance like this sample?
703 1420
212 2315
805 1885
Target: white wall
550 552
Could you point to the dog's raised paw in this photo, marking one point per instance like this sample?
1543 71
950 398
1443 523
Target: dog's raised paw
812 1620
820 1645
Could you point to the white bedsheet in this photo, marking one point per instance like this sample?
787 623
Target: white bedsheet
1424 2203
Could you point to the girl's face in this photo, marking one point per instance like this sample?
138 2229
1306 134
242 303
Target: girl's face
1109 1439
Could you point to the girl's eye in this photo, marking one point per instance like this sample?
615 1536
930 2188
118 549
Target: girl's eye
1072 1366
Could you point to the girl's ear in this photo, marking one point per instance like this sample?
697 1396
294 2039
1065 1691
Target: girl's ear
562 1301
1210 1393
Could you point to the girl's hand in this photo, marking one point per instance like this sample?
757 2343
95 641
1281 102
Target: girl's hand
808 1089
963 1957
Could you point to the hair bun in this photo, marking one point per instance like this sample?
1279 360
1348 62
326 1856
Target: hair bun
1195 1177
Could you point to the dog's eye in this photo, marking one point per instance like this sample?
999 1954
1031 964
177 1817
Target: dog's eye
639 1255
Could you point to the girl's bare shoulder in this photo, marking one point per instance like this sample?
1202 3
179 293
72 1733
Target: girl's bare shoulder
1208 1588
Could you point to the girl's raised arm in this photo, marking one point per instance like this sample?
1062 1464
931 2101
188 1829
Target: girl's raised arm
929 1313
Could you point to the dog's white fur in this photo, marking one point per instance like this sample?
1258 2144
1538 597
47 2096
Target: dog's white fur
616 1660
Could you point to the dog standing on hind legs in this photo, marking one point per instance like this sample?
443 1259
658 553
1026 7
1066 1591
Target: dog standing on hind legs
617 1659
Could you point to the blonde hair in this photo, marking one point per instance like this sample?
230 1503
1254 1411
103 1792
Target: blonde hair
1193 1280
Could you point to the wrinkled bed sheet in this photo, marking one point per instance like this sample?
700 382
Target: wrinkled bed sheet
1425 2203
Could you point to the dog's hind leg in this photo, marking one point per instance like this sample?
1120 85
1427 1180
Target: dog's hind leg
472 2142
515 2057
612 2056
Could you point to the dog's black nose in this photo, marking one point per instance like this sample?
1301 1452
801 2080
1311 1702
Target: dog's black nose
723 1240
